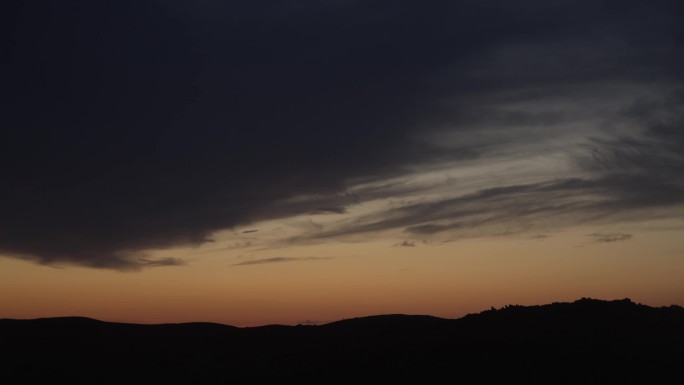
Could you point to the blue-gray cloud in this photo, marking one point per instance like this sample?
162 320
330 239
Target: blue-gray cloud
262 261
610 237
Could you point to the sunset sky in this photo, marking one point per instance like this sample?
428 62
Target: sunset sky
257 162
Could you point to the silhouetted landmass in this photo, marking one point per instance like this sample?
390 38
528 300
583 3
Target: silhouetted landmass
585 342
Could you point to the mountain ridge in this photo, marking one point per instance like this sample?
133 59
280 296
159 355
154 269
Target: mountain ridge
506 308
585 341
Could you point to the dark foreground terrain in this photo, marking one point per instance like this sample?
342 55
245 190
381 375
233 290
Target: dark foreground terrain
587 341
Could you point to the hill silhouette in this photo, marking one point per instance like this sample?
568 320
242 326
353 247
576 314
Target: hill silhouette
583 342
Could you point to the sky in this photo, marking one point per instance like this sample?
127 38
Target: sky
257 162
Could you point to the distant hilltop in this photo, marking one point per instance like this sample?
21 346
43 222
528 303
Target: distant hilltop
586 341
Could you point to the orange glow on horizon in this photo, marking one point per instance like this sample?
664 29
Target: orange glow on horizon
358 279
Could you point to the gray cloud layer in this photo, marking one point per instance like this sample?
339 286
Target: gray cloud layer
612 237
276 260
133 125
630 179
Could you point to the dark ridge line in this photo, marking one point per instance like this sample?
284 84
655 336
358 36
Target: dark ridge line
370 318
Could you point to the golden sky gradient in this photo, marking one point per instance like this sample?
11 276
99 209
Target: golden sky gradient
361 278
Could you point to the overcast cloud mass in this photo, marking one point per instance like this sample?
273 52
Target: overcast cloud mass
135 125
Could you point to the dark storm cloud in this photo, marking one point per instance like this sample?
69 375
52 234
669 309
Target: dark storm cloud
131 125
